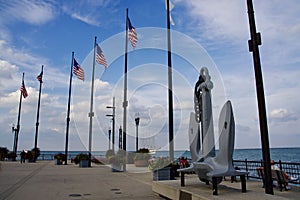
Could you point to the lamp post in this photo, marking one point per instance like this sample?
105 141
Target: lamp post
113 123
15 131
137 122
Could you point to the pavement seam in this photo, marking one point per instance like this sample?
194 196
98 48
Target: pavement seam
21 182
136 179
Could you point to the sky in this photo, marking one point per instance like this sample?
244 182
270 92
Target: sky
210 33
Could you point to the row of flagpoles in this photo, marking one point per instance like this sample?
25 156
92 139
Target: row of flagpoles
24 94
99 57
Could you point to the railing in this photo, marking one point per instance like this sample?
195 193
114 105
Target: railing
50 156
45 156
292 169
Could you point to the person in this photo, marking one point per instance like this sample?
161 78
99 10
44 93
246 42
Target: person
23 155
288 177
184 163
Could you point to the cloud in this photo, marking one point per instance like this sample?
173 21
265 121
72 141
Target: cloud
242 128
281 115
86 19
229 19
31 12
225 23
89 11
217 19
12 60
19 57
7 71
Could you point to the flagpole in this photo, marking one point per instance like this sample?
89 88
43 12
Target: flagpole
68 111
91 114
125 102
170 94
38 113
18 123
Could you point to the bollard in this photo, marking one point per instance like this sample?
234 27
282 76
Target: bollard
182 179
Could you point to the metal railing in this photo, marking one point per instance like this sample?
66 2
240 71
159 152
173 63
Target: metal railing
45 156
292 169
50 156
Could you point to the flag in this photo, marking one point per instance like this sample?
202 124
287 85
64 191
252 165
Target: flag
40 77
171 6
78 71
100 59
23 90
132 36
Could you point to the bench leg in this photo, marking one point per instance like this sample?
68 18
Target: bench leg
280 185
233 179
263 180
243 182
215 185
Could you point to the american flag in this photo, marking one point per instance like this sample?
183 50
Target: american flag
23 90
171 6
78 71
100 59
132 36
40 77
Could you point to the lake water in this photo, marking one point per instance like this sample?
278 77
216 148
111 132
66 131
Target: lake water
283 154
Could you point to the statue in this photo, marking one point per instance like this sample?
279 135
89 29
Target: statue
205 163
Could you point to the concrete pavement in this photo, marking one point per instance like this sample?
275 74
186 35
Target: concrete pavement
44 180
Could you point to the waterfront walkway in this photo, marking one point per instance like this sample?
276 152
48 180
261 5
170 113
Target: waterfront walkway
44 180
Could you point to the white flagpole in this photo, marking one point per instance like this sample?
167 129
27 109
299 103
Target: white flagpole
125 102
91 113
170 90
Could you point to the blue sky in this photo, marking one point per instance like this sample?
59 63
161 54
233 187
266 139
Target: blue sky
206 33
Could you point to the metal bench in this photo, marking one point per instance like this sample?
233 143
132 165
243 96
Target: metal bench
282 182
277 175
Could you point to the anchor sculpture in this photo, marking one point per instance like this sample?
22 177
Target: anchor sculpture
205 163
